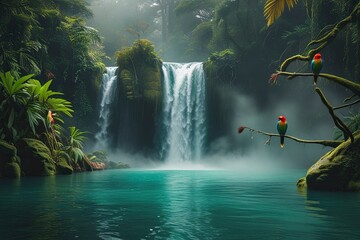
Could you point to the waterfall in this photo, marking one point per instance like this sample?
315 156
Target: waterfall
184 112
108 90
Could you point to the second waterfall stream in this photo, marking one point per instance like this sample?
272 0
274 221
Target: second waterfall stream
184 112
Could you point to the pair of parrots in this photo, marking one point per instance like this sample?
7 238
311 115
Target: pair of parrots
316 66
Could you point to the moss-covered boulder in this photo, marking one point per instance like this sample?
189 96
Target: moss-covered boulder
99 160
9 161
36 158
337 170
12 170
63 167
139 71
139 98
117 165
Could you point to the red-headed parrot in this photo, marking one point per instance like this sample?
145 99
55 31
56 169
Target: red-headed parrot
316 65
282 127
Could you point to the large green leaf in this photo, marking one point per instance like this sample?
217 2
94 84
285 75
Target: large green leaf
60 105
11 85
35 113
274 8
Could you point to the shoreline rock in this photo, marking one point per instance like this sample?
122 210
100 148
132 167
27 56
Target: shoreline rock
337 170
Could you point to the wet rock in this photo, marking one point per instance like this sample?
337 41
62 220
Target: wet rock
337 170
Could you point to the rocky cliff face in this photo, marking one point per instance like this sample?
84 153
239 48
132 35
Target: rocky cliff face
139 99
338 170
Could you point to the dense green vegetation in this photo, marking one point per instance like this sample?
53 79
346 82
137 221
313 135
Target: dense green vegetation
41 147
50 40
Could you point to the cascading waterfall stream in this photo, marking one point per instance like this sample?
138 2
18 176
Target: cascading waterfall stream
108 88
184 112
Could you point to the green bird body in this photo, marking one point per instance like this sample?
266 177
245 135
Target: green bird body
281 128
316 66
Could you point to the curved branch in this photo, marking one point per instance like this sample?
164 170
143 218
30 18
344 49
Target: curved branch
327 38
346 105
324 41
354 87
339 124
289 60
326 143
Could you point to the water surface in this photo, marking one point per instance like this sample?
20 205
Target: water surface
137 204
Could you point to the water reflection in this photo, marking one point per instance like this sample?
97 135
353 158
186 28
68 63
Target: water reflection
187 206
173 205
338 212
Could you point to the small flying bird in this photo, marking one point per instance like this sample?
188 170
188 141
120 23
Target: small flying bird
316 65
282 127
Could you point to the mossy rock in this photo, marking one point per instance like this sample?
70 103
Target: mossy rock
128 83
152 83
62 167
87 165
8 159
97 156
117 165
12 170
7 150
337 170
36 159
139 71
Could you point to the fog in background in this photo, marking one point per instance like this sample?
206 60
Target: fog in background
121 22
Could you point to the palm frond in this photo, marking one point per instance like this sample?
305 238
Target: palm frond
35 113
274 8
60 105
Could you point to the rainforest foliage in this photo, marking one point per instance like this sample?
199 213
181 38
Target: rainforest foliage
50 40
33 141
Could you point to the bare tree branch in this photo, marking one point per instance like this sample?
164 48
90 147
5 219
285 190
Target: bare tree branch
346 105
323 41
353 86
326 143
342 126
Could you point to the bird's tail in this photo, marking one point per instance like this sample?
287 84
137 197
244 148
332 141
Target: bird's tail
282 140
315 79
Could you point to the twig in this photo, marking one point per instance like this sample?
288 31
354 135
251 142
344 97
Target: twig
349 98
354 87
323 41
342 126
346 105
326 143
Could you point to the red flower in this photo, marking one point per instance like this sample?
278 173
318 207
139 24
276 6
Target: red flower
241 129
273 78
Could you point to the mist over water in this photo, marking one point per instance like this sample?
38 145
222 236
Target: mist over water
251 101
183 134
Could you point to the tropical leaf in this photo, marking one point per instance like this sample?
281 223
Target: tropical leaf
77 137
60 105
274 8
35 113
11 85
